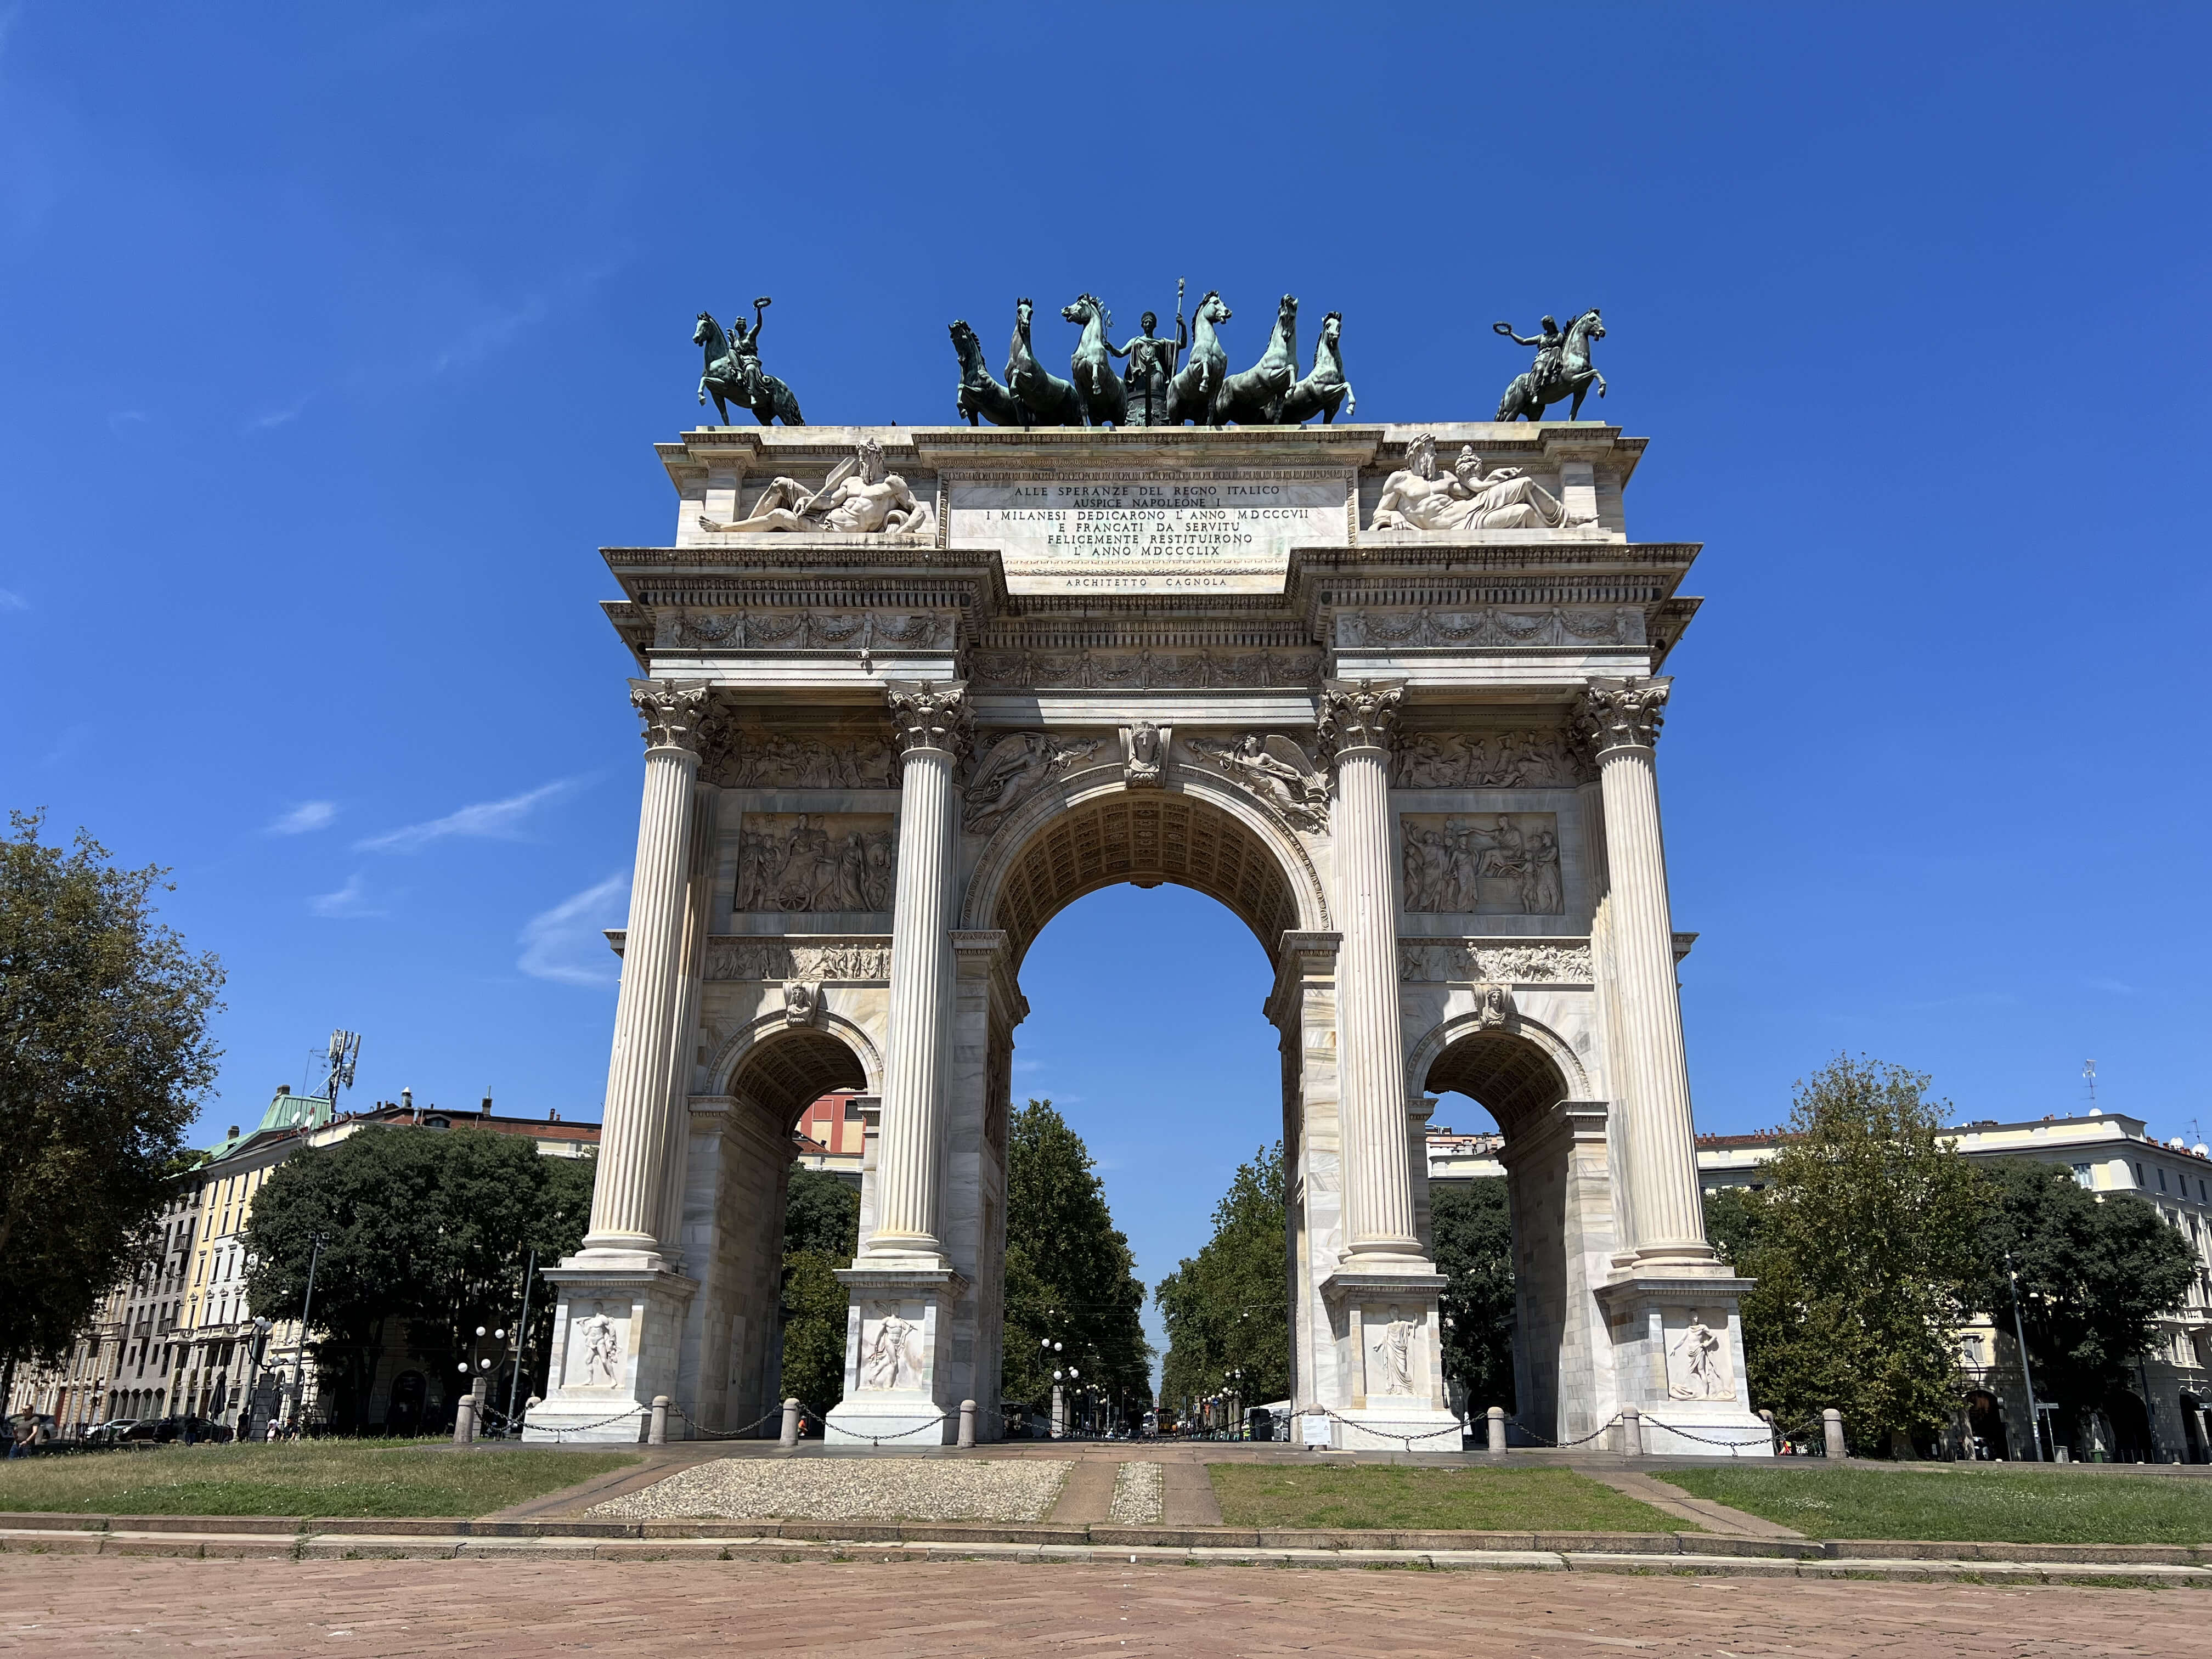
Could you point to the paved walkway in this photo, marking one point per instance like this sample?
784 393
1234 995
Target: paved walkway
58 1607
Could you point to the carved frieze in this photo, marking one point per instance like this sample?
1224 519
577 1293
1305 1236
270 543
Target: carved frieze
1493 625
1145 668
1015 767
1472 961
1275 767
1486 760
680 629
863 960
1481 863
762 757
811 862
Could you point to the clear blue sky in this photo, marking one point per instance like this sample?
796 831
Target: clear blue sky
336 339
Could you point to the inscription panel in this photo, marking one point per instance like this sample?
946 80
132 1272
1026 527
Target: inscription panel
1149 531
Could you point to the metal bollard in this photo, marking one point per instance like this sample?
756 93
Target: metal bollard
465 1423
1831 1431
657 1434
967 1424
1631 1432
789 1438
1495 1425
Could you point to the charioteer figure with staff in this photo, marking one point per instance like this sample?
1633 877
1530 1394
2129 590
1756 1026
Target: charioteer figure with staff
1151 365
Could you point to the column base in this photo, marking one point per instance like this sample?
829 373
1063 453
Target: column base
897 1374
617 1337
1678 1358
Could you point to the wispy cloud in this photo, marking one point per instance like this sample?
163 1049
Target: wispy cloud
567 942
277 417
2116 988
1968 999
11 600
123 417
488 820
306 816
348 903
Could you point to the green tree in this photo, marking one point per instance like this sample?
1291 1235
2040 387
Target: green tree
1733 1215
821 1234
1227 1308
1472 1223
2096 1274
104 1058
1070 1277
426 1234
1867 1251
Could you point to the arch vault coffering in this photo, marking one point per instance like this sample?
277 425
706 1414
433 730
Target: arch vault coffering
1509 1075
1036 868
783 1071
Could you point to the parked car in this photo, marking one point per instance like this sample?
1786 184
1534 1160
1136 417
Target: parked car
163 1431
113 1433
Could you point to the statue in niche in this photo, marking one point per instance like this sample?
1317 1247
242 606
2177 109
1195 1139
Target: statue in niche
1415 498
1396 1352
894 1358
1277 770
1144 756
801 1002
1014 769
1702 1373
1445 866
860 497
807 869
1562 369
733 371
1493 1007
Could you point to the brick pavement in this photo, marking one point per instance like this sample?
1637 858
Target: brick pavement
61 1606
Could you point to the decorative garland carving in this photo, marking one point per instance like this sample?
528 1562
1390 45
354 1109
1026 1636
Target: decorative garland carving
1478 962
1024 667
862 961
1492 626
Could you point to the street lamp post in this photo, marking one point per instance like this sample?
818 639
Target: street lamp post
2027 1375
298 1412
521 1337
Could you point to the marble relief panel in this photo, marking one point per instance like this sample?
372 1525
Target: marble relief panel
815 861
1481 863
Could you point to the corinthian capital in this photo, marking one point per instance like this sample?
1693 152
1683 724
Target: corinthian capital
1621 714
673 714
927 714
1359 714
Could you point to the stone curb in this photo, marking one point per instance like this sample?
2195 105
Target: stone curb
759 1546
282 1538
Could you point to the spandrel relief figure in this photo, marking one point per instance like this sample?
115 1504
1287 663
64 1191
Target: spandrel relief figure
860 497
1274 769
1015 767
1415 497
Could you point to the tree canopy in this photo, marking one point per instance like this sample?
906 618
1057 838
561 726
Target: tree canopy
1070 1277
821 1234
1472 1224
1867 1251
426 1234
1227 1307
104 1058
2094 1276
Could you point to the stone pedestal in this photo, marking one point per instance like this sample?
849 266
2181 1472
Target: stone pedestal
1390 1363
615 1345
898 1381
1678 1358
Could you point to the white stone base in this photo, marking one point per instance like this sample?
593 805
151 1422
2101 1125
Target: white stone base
896 1418
1742 1434
1385 1427
615 1346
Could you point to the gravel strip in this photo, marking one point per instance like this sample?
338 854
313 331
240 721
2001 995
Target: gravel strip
849 1489
1137 1489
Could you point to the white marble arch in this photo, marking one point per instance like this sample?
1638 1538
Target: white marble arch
1014 835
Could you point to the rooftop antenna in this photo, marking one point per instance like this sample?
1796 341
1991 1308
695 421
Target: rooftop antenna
2089 1076
344 1049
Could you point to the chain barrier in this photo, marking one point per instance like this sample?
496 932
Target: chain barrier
579 1428
1407 1440
706 1433
1562 1445
1733 1446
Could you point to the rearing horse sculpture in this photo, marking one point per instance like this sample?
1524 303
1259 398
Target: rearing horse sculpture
980 397
1573 378
1255 397
1191 391
1049 399
1100 396
1322 391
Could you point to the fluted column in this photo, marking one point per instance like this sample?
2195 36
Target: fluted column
1619 720
634 1140
930 722
1378 1193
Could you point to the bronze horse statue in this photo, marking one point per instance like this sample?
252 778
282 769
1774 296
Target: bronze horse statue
1192 392
1100 396
1321 392
734 374
1255 397
1049 399
1570 377
982 397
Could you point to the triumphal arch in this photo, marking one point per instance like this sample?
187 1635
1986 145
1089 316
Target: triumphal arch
1391 694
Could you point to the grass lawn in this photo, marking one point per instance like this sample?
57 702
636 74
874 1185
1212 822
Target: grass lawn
330 1477
1975 1504
1387 1496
